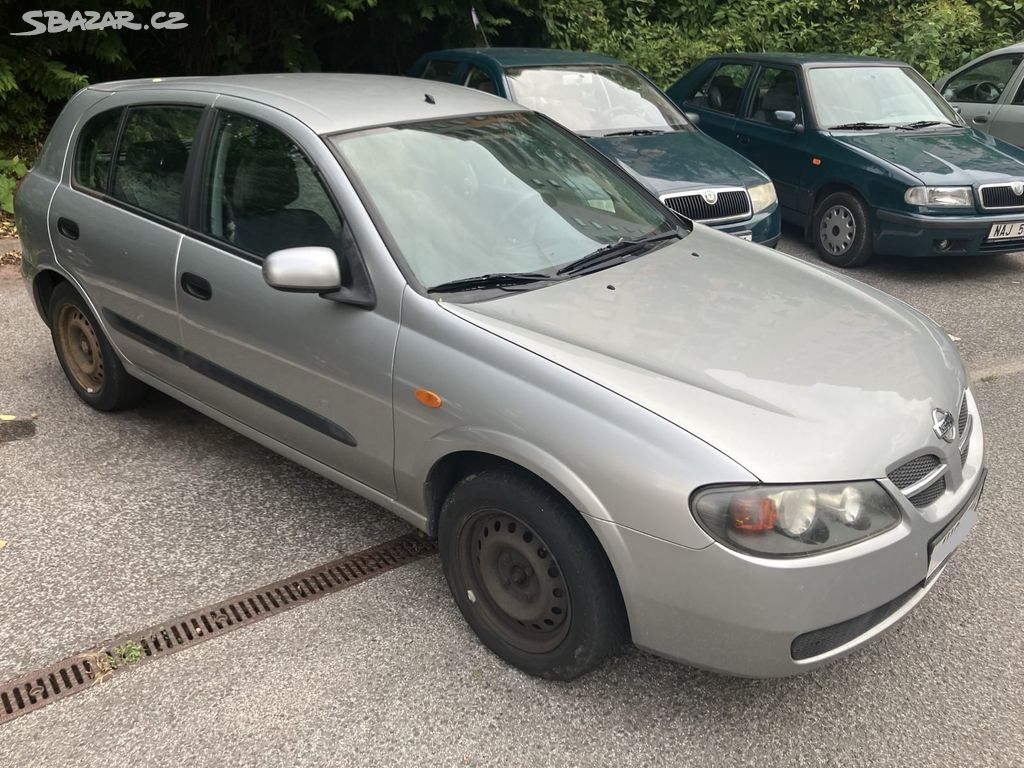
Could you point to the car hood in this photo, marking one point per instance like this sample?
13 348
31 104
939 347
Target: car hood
943 156
679 160
795 373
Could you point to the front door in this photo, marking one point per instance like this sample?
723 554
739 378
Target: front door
980 90
309 372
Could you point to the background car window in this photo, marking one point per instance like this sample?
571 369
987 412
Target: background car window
96 150
983 83
776 90
260 192
480 80
151 158
723 89
441 70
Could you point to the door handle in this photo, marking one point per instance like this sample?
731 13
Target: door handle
68 228
742 139
194 285
980 119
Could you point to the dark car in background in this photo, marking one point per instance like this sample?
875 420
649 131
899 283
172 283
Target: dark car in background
989 93
864 153
624 115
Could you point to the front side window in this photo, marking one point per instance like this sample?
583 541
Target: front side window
776 91
95 154
595 100
875 95
723 90
151 158
480 80
260 193
983 83
470 196
440 70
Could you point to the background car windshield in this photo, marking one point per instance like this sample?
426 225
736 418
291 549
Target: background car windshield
594 100
471 196
887 95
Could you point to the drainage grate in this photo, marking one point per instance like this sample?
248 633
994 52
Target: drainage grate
36 689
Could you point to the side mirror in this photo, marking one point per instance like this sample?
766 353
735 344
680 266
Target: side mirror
693 117
787 119
309 269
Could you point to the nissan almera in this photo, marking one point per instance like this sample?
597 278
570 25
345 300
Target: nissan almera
617 424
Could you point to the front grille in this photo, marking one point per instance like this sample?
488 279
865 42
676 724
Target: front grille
961 423
1001 196
929 494
731 205
821 641
907 474
963 429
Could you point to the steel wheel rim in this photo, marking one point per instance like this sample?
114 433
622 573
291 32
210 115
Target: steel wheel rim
81 348
838 229
514 581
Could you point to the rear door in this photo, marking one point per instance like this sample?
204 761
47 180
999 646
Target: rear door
779 149
309 372
116 221
980 90
719 99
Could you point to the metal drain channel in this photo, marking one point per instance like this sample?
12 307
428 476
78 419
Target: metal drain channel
34 690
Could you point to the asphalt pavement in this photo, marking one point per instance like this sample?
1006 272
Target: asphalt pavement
117 522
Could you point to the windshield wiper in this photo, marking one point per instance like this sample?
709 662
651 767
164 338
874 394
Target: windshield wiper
635 132
614 251
924 124
858 127
503 280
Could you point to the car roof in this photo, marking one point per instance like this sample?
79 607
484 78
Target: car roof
810 59
328 102
526 57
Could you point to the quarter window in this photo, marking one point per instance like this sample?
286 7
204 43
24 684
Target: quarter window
151 158
776 91
440 70
723 90
96 150
261 194
983 83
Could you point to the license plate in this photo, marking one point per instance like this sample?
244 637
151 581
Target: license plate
1008 230
954 534
749 236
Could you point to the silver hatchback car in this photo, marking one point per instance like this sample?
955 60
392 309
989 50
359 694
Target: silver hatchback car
617 424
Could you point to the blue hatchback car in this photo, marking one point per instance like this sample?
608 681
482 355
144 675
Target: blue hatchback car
620 112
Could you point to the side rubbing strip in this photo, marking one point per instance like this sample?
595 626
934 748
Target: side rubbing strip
230 379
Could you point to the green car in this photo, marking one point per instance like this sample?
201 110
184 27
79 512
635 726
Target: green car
864 153
621 113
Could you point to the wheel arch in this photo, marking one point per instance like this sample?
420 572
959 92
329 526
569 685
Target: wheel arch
44 283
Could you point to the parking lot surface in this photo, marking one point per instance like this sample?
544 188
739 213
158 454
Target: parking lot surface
116 522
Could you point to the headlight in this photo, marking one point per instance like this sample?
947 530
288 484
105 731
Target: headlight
961 197
783 521
762 196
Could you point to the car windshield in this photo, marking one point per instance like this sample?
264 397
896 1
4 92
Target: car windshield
595 100
507 193
875 95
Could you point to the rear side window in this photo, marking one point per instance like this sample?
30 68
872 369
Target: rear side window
439 69
151 158
723 90
95 153
261 194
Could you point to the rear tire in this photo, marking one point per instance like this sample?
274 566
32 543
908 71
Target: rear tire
529 576
89 362
841 229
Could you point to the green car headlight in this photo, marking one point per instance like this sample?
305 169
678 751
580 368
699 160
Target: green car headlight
959 197
793 520
762 196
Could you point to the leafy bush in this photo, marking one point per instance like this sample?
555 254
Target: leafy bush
11 169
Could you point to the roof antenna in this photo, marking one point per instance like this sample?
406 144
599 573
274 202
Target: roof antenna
477 27
428 98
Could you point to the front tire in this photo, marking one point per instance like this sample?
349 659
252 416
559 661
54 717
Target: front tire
89 362
529 576
841 229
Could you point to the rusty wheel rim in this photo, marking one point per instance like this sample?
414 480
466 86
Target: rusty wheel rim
514 581
81 350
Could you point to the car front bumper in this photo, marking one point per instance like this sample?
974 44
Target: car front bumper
758 617
913 234
764 227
